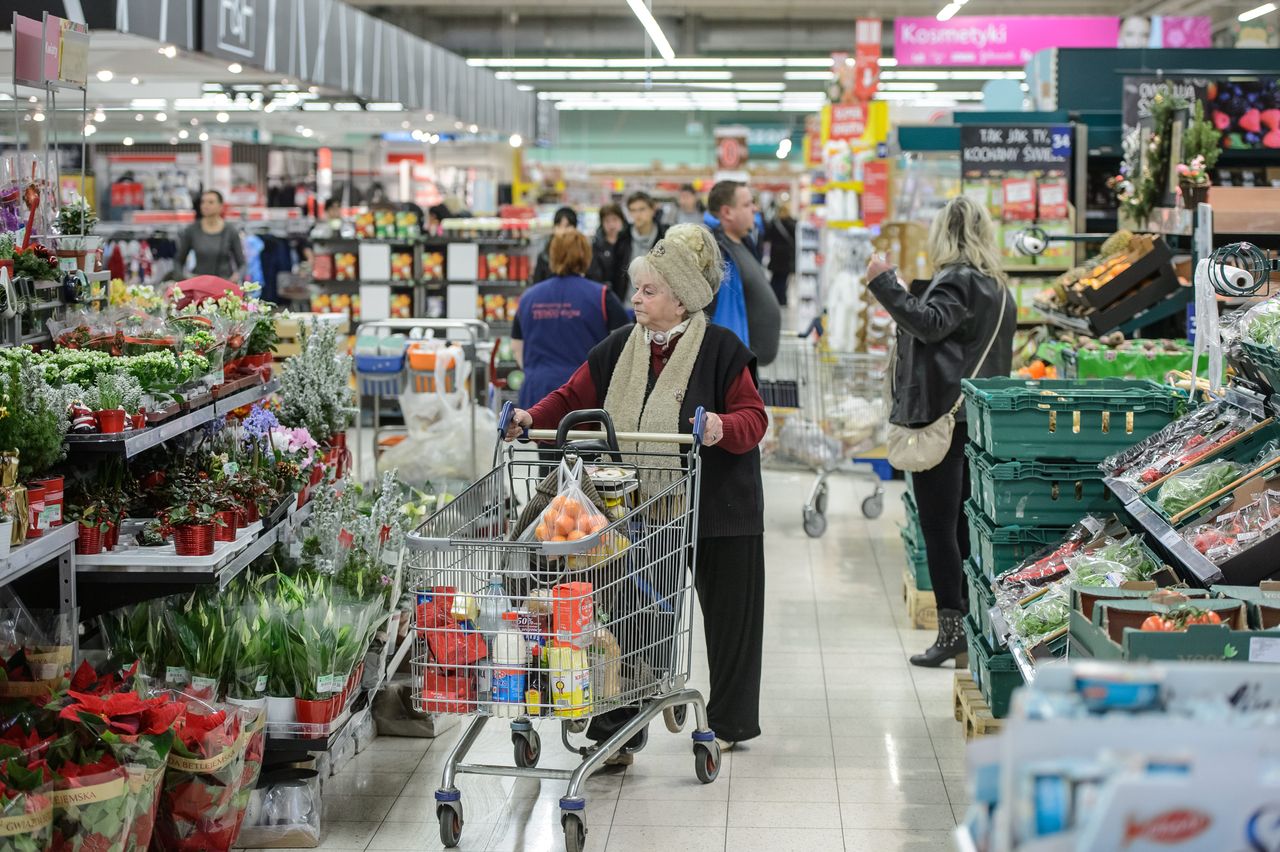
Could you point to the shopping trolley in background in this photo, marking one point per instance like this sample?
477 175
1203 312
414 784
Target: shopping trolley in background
597 619
825 407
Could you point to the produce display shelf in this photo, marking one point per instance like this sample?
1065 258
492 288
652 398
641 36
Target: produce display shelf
163 565
484 241
37 551
1191 563
138 441
373 241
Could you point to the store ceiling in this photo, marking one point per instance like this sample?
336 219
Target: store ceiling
798 34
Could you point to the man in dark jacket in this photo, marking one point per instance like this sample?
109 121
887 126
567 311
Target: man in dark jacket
745 302
611 251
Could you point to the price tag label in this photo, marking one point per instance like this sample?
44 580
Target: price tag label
1264 649
1060 141
176 676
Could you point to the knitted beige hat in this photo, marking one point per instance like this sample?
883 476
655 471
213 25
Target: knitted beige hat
688 259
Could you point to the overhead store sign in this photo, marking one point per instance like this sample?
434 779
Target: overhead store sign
1014 148
334 45
168 21
847 121
866 64
1010 40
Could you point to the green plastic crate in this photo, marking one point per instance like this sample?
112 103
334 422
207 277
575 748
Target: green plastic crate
1109 363
911 525
918 564
1051 494
1265 360
996 548
996 675
1082 421
981 599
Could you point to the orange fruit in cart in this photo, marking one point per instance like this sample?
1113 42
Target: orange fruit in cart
572 507
576 535
565 525
541 533
558 501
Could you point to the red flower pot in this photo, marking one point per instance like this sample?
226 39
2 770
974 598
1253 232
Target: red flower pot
89 540
35 508
313 712
111 538
249 513
110 422
139 420
226 531
193 539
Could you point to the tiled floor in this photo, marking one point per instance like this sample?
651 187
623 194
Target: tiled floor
860 751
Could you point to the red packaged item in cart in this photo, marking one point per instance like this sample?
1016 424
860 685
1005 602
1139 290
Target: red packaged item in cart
451 646
443 692
572 613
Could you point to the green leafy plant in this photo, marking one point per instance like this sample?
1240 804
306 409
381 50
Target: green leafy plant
8 245
314 384
1201 138
199 630
77 218
35 262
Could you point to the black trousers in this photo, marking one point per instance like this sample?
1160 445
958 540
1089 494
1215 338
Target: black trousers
730 586
940 493
778 281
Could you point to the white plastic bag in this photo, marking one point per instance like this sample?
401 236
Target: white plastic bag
446 449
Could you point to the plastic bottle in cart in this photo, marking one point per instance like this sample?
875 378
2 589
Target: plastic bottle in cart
493 603
509 660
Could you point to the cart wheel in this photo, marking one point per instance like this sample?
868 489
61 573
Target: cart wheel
450 826
815 523
873 506
820 499
528 748
575 833
706 761
675 717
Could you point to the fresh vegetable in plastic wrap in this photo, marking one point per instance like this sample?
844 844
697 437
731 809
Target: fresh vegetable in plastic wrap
1261 323
1114 563
1050 564
1179 444
1188 488
1229 533
1041 618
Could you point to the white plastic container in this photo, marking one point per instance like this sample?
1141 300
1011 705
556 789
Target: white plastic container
493 603
510 656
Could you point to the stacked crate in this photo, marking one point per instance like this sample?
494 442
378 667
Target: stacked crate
917 588
1034 448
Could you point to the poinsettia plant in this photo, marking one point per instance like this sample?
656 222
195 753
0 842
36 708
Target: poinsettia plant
91 808
26 809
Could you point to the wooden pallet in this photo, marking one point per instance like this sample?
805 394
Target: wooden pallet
922 611
971 708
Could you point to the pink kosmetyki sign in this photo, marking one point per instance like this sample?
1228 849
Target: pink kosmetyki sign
1009 40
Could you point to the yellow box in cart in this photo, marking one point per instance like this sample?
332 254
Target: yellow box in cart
570 681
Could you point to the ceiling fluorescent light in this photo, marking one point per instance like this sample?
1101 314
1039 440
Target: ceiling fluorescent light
317 106
1264 9
909 87
650 25
347 106
391 106
948 11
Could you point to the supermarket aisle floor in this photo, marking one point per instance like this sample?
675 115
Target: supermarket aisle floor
860 751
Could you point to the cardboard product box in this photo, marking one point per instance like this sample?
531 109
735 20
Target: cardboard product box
1113 634
1262 600
1018 199
1052 199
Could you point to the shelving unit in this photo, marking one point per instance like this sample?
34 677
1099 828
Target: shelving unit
138 441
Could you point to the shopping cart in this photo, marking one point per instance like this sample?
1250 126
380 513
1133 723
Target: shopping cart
600 623
387 381
825 408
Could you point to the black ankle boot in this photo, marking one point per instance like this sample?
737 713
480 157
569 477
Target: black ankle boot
950 644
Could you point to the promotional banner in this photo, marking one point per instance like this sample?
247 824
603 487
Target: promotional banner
1012 148
1009 40
731 148
846 121
875 192
866 65
1137 93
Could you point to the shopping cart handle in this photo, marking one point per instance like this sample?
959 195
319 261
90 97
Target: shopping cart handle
504 420
699 424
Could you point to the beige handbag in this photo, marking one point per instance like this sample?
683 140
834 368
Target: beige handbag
914 450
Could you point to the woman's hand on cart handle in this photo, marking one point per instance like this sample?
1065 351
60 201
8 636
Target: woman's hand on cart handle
878 265
708 427
514 422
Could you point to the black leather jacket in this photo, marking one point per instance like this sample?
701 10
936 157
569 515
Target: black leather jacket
943 326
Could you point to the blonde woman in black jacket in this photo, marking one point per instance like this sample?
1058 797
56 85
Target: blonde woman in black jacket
944 327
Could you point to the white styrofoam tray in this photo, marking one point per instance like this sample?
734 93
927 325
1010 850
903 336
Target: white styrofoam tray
165 556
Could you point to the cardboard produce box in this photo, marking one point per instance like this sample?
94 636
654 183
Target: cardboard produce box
1113 634
1262 600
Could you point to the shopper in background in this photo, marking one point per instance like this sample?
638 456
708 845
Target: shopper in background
651 377
781 237
215 244
611 250
436 214
688 207
745 303
565 220
560 319
944 328
645 228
